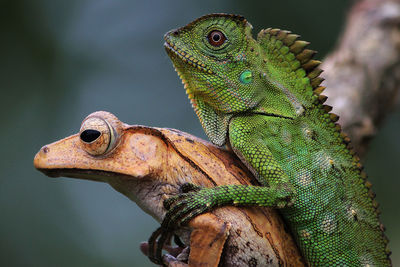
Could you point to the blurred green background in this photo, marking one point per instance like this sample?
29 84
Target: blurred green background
61 60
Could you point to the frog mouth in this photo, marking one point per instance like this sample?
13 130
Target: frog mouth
86 174
174 52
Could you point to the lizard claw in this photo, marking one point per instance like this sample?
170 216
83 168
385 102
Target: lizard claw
152 247
158 239
194 200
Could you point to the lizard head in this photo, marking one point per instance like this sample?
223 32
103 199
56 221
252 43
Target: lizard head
226 71
210 57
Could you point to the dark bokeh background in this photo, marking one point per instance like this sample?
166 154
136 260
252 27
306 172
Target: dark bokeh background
61 60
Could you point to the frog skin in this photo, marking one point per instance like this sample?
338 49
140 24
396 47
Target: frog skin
149 165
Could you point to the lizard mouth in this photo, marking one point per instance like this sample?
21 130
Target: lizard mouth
174 52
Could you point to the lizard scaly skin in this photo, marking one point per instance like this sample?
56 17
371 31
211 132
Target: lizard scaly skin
263 99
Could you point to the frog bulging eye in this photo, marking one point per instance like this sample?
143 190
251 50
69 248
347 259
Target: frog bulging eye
216 38
97 136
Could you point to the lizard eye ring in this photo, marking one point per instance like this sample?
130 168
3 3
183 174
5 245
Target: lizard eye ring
216 38
97 136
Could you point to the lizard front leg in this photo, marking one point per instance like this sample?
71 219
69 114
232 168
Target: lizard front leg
276 190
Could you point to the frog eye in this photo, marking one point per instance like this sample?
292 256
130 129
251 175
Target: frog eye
97 136
90 135
216 38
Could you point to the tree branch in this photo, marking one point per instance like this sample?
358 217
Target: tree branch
363 73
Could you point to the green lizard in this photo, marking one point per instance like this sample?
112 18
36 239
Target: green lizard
262 98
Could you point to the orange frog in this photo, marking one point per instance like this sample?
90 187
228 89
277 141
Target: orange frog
149 165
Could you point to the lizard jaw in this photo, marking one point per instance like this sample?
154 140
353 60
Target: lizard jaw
177 54
174 51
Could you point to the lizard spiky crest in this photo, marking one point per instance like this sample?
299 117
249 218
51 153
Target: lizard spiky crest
301 54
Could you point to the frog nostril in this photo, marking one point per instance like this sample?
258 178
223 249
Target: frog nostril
45 149
89 135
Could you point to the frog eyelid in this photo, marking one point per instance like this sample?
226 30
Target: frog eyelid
113 138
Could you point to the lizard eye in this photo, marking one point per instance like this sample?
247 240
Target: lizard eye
216 38
97 136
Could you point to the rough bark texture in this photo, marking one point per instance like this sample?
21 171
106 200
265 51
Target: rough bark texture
363 73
